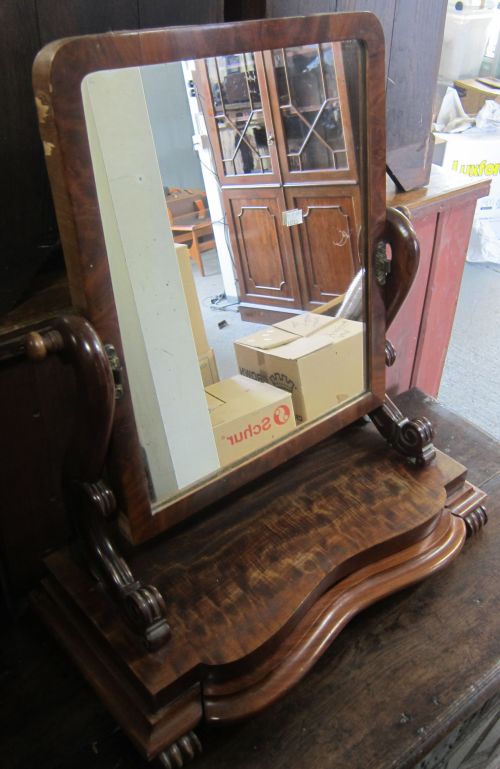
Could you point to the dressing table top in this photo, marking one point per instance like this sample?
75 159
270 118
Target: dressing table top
398 679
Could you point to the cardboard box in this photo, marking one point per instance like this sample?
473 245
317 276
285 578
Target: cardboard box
208 368
473 94
247 415
319 360
206 356
192 301
475 155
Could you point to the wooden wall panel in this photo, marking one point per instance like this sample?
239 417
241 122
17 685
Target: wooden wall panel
413 36
244 9
160 13
28 230
37 407
383 9
26 221
84 17
411 84
276 8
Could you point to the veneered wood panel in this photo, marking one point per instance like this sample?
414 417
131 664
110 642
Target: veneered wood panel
28 229
84 17
37 406
275 8
27 222
384 10
446 201
411 83
452 238
262 245
325 243
244 9
413 37
161 13
405 329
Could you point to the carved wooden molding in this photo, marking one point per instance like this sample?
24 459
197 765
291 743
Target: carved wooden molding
468 504
180 752
475 520
412 438
90 501
397 276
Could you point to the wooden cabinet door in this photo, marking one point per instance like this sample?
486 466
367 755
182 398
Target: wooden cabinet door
311 115
262 247
232 93
326 243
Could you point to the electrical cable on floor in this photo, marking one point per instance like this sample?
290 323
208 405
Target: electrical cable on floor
214 302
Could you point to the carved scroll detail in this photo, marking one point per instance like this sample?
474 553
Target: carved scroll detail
390 353
475 520
90 500
397 281
412 438
180 752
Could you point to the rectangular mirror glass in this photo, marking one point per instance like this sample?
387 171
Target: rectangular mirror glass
232 199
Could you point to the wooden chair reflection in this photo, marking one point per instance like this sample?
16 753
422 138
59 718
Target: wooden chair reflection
190 221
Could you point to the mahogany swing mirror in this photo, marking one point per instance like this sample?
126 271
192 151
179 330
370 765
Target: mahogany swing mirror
293 115
288 120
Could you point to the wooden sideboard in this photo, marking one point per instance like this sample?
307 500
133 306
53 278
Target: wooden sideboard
442 215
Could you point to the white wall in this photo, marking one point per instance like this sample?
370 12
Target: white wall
160 355
168 109
217 214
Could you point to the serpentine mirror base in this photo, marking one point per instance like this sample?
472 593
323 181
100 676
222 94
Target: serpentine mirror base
258 591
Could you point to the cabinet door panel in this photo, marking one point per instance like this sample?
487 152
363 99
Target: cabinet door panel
262 247
311 114
326 243
233 96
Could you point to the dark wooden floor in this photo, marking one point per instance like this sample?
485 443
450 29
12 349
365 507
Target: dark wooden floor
401 678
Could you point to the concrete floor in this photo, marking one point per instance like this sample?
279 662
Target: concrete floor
220 339
471 378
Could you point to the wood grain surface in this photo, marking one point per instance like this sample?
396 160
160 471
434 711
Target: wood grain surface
398 679
259 587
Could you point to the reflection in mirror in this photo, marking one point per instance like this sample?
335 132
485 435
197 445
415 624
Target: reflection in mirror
230 193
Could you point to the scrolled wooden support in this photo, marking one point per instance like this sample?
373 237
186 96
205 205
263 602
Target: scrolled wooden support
390 353
90 500
412 438
180 752
402 239
475 520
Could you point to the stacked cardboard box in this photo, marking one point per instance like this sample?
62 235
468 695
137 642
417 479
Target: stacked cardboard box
247 415
318 359
206 357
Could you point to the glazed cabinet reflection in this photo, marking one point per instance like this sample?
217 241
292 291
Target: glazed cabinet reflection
285 153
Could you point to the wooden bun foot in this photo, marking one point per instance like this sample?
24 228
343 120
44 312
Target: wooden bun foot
180 753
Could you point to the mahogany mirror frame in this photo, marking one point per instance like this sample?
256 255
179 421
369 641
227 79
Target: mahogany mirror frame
59 70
